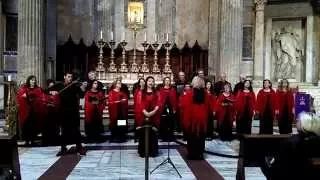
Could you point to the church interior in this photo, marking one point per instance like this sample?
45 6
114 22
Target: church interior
119 41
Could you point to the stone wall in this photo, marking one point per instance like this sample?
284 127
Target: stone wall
184 20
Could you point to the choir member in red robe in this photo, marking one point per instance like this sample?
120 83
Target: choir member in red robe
245 103
182 108
196 116
266 106
94 105
225 113
285 107
149 101
212 100
31 110
138 117
50 133
169 105
118 111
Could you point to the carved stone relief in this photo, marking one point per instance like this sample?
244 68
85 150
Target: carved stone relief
288 44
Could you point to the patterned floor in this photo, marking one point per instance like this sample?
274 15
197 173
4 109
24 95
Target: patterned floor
124 163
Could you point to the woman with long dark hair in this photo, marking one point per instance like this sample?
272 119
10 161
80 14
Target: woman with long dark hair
225 113
138 117
266 106
93 107
212 101
31 109
168 106
285 107
245 103
196 115
149 103
118 110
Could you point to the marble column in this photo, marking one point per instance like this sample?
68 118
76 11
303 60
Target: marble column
231 31
259 40
31 40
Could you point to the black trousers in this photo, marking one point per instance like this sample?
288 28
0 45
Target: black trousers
70 127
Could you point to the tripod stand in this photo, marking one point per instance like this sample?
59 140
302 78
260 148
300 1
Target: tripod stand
167 160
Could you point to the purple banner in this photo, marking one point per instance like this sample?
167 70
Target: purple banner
302 102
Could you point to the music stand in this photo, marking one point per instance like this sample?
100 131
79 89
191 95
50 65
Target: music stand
147 127
167 160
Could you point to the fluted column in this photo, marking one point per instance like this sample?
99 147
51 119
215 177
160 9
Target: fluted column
259 40
231 38
31 40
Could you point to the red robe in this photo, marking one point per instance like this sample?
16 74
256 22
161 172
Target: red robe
240 102
261 101
35 101
148 102
195 116
91 108
137 100
117 108
172 95
285 98
221 109
183 105
212 101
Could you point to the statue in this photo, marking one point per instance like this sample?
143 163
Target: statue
287 52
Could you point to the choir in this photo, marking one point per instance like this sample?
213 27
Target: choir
190 107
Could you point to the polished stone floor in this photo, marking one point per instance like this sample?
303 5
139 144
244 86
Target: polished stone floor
121 161
107 162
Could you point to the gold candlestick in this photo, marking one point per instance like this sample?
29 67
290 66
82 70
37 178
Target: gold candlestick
123 66
112 65
167 66
134 65
144 66
155 66
100 69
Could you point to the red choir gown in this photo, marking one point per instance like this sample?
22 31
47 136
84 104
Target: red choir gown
196 119
118 110
137 103
212 101
225 114
169 106
183 105
50 133
148 101
94 106
31 112
285 104
266 106
245 103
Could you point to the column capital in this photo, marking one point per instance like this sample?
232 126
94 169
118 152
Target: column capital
260 4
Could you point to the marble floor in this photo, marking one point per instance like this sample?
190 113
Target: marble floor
110 161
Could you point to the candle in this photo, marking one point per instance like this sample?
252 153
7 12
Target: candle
145 36
155 37
123 36
9 77
167 37
111 35
101 34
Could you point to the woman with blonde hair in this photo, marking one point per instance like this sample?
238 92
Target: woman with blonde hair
196 116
